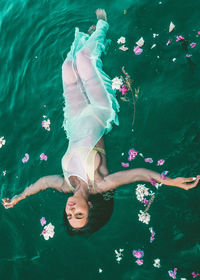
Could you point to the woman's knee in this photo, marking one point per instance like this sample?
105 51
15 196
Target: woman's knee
68 73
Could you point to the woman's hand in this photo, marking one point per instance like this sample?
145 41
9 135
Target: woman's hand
7 203
186 183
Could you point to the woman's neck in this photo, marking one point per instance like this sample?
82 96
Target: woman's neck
82 190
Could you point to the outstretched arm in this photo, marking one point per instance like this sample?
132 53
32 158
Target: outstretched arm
117 179
55 182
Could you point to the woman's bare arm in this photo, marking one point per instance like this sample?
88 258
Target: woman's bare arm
54 182
117 179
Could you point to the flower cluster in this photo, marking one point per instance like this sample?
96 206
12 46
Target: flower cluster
43 157
46 124
48 230
138 254
142 191
144 217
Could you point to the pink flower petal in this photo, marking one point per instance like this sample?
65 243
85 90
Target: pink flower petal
139 262
160 162
125 164
198 32
43 221
153 181
137 50
150 160
168 42
43 157
132 154
188 55
138 254
192 45
179 38
26 158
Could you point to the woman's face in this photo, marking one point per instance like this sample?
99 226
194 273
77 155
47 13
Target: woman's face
77 210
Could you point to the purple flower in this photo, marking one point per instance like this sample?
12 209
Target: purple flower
138 254
26 158
192 45
123 90
43 221
137 50
179 38
150 160
172 273
132 154
145 201
163 174
160 162
139 262
125 164
168 42
153 181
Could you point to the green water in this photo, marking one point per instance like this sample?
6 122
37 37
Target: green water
35 37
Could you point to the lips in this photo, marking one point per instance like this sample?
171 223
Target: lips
71 203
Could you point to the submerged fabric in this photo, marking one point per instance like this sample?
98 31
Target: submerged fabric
90 103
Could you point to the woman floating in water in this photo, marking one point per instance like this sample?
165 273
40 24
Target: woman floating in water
90 110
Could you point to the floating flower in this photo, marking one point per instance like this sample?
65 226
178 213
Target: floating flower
155 35
137 50
168 42
139 262
4 173
156 263
173 59
194 275
163 174
116 83
132 154
125 164
144 217
152 234
153 181
153 46
2 141
179 38
121 40
138 254
100 270
43 157
123 89
141 192
140 42
192 45
160 162
25 158
119 255
48 231
150 160
123 48
43 221
172 273
171 27
46 124
198 32
145 201
188 55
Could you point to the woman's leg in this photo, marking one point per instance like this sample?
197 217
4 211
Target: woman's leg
86 67
75 98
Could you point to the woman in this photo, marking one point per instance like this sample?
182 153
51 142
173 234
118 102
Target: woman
90 109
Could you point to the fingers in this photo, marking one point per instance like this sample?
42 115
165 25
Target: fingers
192 185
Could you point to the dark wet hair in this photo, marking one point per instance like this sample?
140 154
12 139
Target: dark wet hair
98 215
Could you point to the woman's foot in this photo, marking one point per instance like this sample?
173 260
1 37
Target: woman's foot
91 29
101 14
